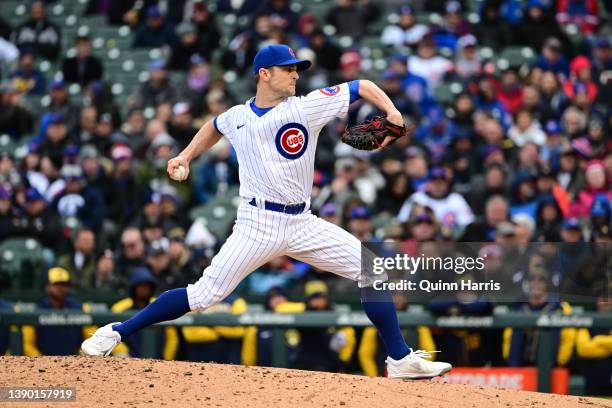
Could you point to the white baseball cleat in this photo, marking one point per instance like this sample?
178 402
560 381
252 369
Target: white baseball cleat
414 366
103 341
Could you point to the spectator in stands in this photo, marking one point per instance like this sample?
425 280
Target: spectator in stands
7 216
421 227
435 133
280 272
98 94
594 347
492 30
220 344
38 33
428 65
132 253
583 13
157 89
327 53
27 78
181 124
552 58
56 136
81 261
281 15
83 67
104 274
553 100
521 345
450 208
602 59
327 349
55 340
158 263
526 130
535 28
360 223
407 32
121 191
580 76
218 173
397 188
80 200
452 27
15 119
468 64
207 28
352 18
183 265
155 32
60 103
548 219
86 125
496 211
142 286
188 46
574 122
510 91
596 184
494 181
569 176
471 348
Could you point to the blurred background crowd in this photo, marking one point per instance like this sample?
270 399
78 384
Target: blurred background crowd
510 98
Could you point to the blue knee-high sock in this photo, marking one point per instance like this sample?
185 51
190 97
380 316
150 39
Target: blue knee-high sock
170 305
379 307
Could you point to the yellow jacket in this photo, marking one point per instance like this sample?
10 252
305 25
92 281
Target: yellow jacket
206 334
249 349
595 347
171 335
567 339
369 347
29 336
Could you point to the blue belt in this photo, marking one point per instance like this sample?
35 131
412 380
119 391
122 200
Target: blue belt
283 208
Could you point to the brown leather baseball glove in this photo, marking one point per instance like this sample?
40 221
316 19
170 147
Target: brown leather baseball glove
371 134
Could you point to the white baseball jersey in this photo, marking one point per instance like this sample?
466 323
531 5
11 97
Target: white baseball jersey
276 149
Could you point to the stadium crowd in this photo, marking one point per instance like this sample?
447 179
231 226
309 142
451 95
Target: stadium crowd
520 153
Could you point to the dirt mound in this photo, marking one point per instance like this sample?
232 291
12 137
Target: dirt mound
111 382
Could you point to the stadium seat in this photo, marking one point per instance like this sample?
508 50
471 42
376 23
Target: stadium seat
517 56
22 263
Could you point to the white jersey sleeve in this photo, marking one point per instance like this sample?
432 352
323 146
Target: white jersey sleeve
225 122
323 105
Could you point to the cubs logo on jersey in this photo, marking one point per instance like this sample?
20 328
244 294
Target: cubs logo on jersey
330 90
292 140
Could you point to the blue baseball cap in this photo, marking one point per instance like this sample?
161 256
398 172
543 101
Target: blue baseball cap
33 194
5 194
58 84
437 173
328 209
57 118
571 223
553 127
278 55
360 213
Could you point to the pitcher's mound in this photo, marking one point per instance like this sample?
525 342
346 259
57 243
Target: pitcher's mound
111 382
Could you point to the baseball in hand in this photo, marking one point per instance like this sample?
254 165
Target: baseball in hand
179 173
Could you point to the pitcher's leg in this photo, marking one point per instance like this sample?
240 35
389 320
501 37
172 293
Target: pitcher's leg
331 248
253 242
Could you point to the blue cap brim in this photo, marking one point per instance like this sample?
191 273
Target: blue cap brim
301 64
